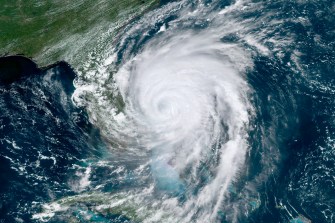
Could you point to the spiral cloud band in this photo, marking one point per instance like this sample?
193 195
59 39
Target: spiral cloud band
189 105
200 108
186 109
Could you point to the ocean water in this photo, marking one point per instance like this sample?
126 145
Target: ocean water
206 111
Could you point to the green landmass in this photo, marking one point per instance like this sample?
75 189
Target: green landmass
95 205
53 30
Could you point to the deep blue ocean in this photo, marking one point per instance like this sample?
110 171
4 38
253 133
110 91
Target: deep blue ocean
55 153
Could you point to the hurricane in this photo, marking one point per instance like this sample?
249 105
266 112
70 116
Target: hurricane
188 109
204 111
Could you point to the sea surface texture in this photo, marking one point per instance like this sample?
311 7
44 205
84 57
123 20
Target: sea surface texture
195 112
